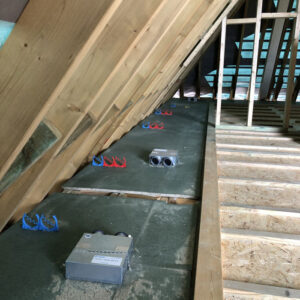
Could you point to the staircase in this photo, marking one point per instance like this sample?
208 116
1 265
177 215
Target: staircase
259 192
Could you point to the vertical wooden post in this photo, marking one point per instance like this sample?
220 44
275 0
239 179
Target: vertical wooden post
221 71
181 91
291 83
198 79
254 62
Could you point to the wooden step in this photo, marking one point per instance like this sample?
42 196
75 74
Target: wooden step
258 156
259 218
251 137
236 290
259 140
234 146
254 133
259 193
261 257
270 172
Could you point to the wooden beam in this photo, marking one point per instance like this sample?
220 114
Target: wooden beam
21 63
239 55
274 45
254 63
221 71
198 79
200 48
292 67
181 91
145 79
263 16
296 90
209 283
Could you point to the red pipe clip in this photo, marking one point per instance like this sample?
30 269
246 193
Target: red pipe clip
113 163
167 113
155 125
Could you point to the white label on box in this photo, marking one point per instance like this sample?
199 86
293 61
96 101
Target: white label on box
107 260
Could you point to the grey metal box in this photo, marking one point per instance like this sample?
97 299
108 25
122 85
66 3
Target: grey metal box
163 158
100 258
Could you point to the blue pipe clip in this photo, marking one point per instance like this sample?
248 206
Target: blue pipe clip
53 225
38 224
146 125
35 226
158 112
98 162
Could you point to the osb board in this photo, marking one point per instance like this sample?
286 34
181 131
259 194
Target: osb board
260 218
264 193
259 171
234 290
262 157
261 257
185 131
161 263
260 141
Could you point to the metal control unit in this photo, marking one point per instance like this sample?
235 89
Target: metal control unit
101 258
163 158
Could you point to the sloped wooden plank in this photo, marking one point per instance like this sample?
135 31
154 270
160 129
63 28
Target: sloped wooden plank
34 62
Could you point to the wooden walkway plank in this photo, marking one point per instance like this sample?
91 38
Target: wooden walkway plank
209 282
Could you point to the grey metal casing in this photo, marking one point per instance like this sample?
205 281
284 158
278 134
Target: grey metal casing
161 155
99 258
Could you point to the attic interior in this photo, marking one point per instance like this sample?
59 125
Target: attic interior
150 149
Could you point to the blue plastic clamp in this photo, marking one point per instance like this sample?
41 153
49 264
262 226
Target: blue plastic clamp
98 162
146 125
35 226
51 226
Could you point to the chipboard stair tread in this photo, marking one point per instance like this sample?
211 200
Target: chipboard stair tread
259 147
261 257
260 218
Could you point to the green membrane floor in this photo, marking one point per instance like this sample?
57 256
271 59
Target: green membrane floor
185 131
161 267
